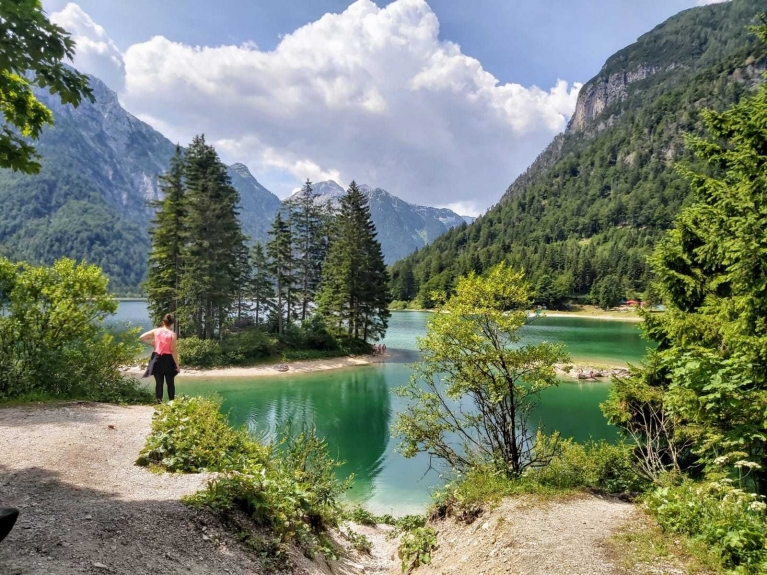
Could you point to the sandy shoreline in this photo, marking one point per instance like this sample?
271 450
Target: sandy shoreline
270 369
613 317
608 370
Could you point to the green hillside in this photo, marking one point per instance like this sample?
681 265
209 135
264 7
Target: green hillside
90 201
593 204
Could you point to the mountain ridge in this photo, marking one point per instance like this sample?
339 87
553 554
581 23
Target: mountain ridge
402 227
593 203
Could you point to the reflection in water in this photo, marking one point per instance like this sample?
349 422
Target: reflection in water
350 408
354 408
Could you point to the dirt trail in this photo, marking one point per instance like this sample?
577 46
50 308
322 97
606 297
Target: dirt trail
527 537
86 508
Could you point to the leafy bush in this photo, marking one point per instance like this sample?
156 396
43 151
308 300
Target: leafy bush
253 344
596 465
731 522
52 340
361 516
358 540
247 346
190 434
289 488
197 352
416 547
410 522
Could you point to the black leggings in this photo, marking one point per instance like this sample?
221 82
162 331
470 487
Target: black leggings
165 368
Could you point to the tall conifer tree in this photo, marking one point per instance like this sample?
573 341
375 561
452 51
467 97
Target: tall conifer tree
282 263
165 260
243 303
354 293
213 242
261 288
310 240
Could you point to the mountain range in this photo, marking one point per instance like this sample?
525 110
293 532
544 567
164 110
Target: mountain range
100 169
593 204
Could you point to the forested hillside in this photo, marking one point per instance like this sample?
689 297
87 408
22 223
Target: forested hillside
593 204
90 201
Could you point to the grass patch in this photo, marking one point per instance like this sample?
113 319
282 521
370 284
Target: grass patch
595 466
643 547
125 391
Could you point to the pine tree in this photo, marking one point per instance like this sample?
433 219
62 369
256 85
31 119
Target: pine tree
261 288
354 291
282 263
165 260
244 281
310 238
213 240
375 298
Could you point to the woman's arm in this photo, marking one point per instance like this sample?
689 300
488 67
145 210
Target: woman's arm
174 350
148 337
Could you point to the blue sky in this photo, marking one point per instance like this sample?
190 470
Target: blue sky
410 107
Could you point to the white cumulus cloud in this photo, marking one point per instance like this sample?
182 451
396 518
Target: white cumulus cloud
96 53
371 94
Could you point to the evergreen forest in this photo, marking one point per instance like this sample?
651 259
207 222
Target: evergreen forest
318 284
590 209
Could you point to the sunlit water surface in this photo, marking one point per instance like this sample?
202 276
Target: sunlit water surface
354 408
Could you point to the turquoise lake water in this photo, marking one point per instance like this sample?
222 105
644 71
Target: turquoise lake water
354 408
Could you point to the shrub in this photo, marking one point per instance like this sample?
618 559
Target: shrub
190 434
52 340
359 541
252 344
596 465
295 495
316 335
361 516
410 522
197 352
416 547
289 488
731 522
247 346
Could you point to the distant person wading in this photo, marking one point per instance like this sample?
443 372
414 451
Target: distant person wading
164 361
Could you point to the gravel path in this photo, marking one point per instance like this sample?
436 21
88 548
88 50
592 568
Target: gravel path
526 537
86 508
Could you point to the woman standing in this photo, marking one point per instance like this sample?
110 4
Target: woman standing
164 363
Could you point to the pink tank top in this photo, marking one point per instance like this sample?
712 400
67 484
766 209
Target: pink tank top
163 342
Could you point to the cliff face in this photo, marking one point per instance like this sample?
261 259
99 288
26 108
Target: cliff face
121 154
603 91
